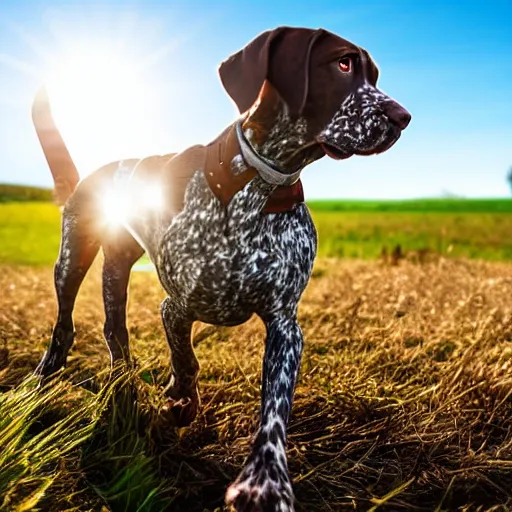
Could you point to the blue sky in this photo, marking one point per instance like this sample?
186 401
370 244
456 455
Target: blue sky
449 63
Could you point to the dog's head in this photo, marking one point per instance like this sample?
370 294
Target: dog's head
328 87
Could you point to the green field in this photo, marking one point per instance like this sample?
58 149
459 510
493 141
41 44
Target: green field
447 205
365 234
30 232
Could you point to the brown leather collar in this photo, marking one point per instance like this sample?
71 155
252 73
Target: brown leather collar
225 182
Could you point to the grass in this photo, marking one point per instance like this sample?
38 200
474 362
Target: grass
365 234
66 449
30 232
403 403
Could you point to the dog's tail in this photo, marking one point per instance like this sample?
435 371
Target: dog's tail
64 172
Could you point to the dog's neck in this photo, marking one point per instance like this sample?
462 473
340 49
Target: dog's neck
274 135
278 141
264 167
231 163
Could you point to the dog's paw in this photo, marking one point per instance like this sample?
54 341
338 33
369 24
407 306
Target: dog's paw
181 412
259 492
182 404
50 364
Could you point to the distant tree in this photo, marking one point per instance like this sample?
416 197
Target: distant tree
509 178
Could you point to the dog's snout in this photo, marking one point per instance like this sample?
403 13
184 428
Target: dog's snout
397 114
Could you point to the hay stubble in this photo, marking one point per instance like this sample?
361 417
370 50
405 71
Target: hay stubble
404 399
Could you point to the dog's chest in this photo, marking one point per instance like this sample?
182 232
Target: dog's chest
225 264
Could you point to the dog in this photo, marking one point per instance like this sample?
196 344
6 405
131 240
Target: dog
233 236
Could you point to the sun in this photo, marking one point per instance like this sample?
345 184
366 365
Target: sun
92 78
101 100
105 76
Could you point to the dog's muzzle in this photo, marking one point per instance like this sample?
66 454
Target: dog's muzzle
368 122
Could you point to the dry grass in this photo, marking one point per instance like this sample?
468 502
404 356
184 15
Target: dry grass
404 400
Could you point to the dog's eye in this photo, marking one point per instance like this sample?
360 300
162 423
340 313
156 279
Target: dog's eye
345 64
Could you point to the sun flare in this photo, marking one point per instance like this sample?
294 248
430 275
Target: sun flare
128 195
97 94
115 206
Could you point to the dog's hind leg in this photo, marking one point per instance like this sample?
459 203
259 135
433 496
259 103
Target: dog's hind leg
121 251
264 483
78 249
182 391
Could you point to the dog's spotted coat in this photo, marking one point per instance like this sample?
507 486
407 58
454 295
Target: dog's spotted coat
220 266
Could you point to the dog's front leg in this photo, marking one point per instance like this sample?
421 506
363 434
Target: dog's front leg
182 391
264 483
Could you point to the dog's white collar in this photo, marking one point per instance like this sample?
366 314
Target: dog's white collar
266 172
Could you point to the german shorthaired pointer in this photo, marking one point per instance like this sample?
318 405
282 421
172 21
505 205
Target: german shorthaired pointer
233 236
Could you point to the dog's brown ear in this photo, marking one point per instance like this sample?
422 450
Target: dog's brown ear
282 56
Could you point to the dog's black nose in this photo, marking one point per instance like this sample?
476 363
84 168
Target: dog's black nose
397 114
